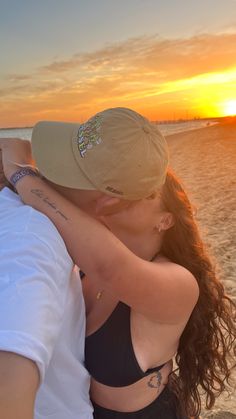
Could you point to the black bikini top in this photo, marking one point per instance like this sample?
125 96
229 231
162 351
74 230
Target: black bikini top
109 353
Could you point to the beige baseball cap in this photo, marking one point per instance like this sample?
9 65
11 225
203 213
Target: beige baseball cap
117 151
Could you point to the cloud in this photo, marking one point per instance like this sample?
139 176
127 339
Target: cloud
128 73
167 58
17 77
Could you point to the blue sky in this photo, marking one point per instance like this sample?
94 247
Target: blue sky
33 33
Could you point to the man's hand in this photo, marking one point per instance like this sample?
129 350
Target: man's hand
15 153
19 380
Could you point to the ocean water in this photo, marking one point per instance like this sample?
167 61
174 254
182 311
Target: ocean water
165 128
24 133
175 127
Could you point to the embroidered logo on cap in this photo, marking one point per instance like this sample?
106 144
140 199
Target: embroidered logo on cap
89 134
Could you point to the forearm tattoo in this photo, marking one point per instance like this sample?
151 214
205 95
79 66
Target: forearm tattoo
155 380
40 194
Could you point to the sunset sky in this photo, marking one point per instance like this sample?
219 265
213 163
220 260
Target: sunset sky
67 59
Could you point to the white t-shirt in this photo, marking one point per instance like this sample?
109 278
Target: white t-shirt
42 314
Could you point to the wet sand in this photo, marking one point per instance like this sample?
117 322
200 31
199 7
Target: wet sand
205 161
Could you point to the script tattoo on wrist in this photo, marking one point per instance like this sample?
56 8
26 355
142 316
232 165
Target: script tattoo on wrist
41 195
155 380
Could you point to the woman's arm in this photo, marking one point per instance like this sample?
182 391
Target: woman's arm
158 290
3 180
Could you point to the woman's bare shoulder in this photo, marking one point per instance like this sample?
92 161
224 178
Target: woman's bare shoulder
178 270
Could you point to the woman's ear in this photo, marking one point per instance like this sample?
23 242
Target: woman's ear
107 205
167 221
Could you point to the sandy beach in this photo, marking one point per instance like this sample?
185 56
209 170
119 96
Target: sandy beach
205 161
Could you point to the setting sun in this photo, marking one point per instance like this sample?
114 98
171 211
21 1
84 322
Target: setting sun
161 72
230 108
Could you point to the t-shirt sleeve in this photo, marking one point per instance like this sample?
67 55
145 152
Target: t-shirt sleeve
34 280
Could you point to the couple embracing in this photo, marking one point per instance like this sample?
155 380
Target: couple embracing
104 279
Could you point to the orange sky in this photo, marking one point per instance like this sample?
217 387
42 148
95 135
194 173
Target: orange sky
159 77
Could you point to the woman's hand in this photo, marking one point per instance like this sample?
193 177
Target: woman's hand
15 153
3 180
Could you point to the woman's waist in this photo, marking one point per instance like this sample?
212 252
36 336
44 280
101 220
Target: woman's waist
133 397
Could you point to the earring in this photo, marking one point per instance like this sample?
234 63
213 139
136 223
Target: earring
159 229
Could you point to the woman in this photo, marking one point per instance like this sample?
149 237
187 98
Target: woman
151 295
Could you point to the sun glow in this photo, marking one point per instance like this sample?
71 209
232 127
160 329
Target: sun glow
229 107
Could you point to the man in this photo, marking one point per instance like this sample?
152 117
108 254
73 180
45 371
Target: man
42 320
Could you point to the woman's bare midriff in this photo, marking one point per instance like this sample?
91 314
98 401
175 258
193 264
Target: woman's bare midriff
133 397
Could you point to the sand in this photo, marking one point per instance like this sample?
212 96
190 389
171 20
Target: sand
205 161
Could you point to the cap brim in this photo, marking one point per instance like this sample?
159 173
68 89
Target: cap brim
53 154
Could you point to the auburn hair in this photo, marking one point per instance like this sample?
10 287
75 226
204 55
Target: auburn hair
207 345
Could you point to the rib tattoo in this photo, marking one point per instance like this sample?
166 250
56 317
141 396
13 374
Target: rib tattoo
155 380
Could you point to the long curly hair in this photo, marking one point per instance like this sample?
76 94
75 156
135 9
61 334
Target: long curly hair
207 345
